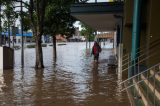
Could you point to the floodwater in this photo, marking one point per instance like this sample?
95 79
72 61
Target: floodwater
73 80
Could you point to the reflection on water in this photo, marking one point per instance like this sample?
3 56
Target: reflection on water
73 80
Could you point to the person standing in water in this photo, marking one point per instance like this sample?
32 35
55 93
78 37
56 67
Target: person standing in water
96 49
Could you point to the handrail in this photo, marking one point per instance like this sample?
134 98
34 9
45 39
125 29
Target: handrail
128 56
152 44
156 42
151 50
138 75
128 83
139 62
139 82
139 56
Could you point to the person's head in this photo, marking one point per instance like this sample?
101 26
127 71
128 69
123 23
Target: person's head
95 43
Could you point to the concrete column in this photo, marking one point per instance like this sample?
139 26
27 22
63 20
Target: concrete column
120 55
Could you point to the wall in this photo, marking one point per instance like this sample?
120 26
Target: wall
154 30
144 23
127 30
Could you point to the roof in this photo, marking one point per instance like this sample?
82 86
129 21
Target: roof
99 16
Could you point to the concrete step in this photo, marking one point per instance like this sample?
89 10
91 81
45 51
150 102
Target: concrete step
134 97
151 92
141 92
157 79
151 86
157 76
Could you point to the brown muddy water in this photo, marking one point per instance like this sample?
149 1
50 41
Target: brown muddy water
73 80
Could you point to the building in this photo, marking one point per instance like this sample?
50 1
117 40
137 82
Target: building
136 23
60 38
28 37
77 37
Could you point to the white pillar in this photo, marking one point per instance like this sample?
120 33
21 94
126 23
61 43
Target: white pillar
120 56
1 58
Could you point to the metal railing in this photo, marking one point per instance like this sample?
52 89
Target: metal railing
141 81
144 83
140 59
140 73
140 49
127 62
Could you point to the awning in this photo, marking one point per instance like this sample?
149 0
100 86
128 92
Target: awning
100 16
27 34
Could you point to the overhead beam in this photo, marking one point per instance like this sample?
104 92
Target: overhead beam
97 8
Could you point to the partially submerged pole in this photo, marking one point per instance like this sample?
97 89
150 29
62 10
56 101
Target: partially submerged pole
22 43
135 36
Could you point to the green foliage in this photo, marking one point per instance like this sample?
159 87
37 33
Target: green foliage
58 19
9 15
31 46
87 31
26 22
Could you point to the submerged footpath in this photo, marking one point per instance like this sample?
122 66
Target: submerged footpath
73 80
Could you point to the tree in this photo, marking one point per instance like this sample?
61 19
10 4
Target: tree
58 20
37 10
87 31
26 22
9 16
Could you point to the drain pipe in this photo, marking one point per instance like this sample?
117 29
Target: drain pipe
135 36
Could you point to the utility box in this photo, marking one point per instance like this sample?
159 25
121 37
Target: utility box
6 58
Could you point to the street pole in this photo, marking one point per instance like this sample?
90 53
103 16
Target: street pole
13 34
22 46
